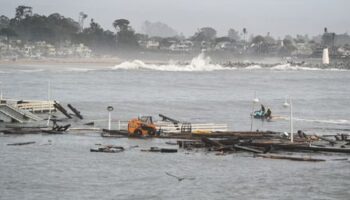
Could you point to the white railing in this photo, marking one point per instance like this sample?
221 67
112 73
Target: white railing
169 127
39 106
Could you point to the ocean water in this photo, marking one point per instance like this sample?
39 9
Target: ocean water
195 92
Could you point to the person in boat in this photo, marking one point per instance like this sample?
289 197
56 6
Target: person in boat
261 112
268 113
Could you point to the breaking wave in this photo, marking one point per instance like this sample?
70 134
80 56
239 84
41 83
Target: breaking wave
289 67
199 63
253 67
203 63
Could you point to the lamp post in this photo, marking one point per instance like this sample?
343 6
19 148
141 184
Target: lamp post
290 105
109 109
49 99
255 100
0 91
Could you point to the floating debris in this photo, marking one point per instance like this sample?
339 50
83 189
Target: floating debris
75 111
108 149
161 150
178 177
21 143
294 158
90 124
171 143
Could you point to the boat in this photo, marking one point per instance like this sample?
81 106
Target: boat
261 115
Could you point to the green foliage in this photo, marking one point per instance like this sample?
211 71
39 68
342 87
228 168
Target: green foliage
233 34
121 24
4 21
260 44
23 12
52 29
8 32
55 29
258 40
224 39
204 34
126 37
96 38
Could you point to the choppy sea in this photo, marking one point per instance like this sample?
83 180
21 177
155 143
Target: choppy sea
196 92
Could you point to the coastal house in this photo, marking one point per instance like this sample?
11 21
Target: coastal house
3 46
225 46
151 44
182 46
82 51
28 50
344 52
303 49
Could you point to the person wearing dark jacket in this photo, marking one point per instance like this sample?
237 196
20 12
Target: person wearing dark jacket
268 113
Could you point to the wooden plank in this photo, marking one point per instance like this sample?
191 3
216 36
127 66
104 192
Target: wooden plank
247 149
211 143
75 111
284 157
301 147
63 111
20 143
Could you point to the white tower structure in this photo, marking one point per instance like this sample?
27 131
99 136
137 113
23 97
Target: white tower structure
325 57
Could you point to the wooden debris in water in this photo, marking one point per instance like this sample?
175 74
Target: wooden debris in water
294 158
178 177
108 149
62 110
161 150
21 143
75 111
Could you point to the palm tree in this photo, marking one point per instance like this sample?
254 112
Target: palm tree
244 36
244 33
121 24
82 17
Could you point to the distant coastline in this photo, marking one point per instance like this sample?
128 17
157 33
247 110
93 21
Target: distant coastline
227 62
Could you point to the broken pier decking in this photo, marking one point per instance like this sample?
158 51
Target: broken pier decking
9 113
294 158
177 135
263 145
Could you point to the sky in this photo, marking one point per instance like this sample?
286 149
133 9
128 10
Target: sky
279 17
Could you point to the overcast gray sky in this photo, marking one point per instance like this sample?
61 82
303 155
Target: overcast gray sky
279 17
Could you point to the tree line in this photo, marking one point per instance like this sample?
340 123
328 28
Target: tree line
56 29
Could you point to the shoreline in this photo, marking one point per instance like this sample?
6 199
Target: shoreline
113 61
63 62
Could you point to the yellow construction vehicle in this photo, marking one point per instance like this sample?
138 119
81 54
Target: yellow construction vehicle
142 126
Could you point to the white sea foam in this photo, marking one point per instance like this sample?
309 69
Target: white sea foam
289 67
31 70
199 63
251 67
203 63
79 69
325 121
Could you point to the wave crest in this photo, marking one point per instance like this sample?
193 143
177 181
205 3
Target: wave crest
199 63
